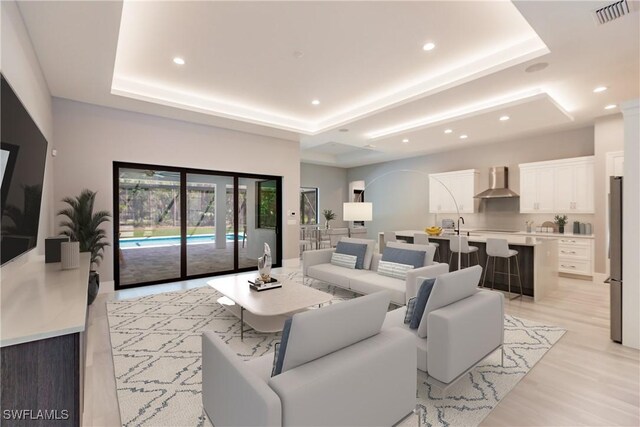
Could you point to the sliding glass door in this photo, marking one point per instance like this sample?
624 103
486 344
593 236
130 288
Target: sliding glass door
210 225
149 225
176 223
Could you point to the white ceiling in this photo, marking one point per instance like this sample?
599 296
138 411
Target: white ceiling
363 61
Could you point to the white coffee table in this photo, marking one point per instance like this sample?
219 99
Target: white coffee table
265 311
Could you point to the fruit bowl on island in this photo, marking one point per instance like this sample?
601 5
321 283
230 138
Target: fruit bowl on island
433 231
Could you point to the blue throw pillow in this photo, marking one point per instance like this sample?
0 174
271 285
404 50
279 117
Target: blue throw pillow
278 355
357 249
421 302
404 256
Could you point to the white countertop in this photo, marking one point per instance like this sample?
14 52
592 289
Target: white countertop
512 239
559 236
43 301
516 233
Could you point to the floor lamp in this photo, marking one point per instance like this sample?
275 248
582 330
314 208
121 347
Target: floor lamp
363 211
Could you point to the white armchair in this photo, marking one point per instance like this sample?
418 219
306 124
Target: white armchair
339 369
461 324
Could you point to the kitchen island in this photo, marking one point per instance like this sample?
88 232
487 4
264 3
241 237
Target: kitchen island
537 259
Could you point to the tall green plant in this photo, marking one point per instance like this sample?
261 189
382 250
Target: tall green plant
83 225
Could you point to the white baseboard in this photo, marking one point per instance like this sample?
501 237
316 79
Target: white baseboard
599 277
291 262
107 286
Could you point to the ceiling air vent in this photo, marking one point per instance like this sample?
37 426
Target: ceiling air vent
613 11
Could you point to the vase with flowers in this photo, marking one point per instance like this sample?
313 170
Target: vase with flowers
561 221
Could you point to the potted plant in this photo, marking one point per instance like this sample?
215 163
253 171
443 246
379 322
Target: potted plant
83 225
329 215
561 221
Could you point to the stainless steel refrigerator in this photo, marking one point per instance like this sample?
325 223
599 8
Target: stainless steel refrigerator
615 256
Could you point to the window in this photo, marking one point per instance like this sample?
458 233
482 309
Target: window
308 206
266 204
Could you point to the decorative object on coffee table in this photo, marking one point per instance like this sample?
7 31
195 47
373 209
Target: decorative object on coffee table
82 226
264 264
561 221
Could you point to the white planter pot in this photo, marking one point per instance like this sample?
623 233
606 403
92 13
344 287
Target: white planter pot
70 255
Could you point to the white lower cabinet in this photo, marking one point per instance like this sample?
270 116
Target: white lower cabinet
575 256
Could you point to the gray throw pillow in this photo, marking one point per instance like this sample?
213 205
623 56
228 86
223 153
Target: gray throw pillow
357 249
411 306
421 302
404 256
279 353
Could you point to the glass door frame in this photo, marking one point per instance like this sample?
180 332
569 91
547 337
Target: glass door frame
183 220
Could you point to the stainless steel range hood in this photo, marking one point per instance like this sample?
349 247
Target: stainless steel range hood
498 184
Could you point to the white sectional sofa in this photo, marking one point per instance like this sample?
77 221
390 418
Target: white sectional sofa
461 324
317 265
339 369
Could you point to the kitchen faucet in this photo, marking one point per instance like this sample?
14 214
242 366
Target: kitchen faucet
460 219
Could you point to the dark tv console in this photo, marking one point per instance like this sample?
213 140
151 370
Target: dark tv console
44 317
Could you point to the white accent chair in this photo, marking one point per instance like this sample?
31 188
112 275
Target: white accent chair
390 237
358 232
335 234
461 244
339 369
423 239
499 248
323 238
461 325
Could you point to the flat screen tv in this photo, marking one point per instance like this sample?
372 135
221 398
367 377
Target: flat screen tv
23 153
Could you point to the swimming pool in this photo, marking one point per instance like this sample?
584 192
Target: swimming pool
147 242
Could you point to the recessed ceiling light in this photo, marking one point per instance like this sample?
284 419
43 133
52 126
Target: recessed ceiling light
504 118
448 131
600 89
539 66
428 46
370 146
463 136
610 107
405 141
315 102
177 60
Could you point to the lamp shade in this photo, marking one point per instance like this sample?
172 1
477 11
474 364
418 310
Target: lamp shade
357 211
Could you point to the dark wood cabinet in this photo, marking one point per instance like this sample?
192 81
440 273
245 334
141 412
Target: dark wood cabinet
42 382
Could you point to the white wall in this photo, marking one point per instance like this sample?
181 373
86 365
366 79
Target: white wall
630 226
20 67
332 185
608 136
400 199
90 138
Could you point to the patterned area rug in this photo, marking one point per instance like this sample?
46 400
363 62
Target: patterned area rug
156 355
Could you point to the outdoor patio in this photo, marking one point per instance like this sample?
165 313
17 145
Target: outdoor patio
148 264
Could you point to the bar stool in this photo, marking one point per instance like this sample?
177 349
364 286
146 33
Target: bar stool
390 236
499 248
463 242
423 239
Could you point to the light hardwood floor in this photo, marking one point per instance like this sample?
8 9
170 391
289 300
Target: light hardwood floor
585 379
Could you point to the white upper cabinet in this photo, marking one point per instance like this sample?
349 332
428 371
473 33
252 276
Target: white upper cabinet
557 186
536 189
462 184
